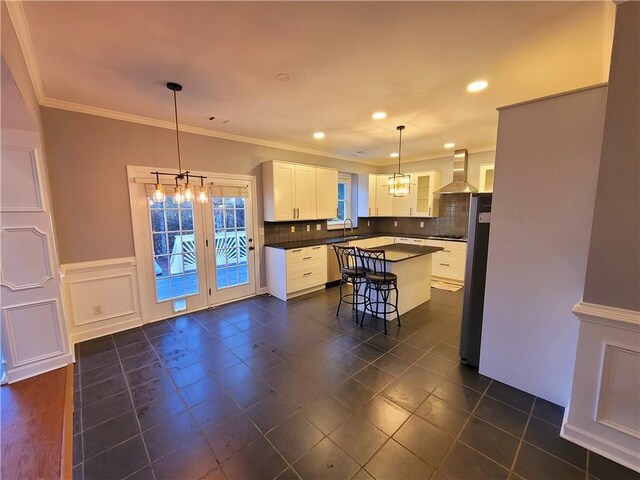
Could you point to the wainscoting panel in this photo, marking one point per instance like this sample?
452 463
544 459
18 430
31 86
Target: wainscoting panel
100 297
604 412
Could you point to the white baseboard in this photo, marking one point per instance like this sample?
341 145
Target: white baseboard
37 368
601 446
105 330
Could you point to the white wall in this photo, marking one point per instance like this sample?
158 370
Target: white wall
547 160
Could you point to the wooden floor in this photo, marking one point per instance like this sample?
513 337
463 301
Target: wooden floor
33 420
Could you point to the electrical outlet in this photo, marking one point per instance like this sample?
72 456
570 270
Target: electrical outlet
97 309
421 224
293 229
318 226
308 228
395 223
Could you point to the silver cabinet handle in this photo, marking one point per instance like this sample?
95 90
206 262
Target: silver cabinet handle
307 274
315 248
376 210
307 258
297 250
449 251
369 210
445 264
429 211
410 210
298 212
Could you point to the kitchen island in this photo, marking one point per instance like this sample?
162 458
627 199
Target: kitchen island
412 265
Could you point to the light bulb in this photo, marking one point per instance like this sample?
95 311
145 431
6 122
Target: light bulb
202 195
178 196
158 194
188 192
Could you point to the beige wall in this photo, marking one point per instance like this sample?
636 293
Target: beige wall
613 272
88 156
445 165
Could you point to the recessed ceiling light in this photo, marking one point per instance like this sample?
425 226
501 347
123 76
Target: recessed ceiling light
283 77
379 115
477 86
318 135
449 145
394 154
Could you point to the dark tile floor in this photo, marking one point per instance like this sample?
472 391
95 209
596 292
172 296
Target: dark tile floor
267 389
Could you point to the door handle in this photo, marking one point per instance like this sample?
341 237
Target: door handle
252 248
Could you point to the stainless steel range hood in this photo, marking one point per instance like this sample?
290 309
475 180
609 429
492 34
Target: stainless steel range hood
459 184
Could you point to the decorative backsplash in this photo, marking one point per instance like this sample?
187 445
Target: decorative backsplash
453 220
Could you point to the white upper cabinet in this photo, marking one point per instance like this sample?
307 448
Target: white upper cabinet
404 206
485 185
373 196
327 193
305 192
384 201
374 199
293 191
425 202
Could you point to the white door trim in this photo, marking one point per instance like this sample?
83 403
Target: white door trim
141 174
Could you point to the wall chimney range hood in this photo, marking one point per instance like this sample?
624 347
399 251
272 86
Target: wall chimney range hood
459 184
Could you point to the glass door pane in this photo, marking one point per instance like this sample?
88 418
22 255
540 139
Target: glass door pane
230 241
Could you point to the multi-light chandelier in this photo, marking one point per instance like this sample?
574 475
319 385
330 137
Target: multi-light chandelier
183 192
399 184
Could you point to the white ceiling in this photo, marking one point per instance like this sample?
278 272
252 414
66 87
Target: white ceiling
346 60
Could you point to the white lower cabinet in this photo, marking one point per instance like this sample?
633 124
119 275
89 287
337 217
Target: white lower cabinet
295 271
448 263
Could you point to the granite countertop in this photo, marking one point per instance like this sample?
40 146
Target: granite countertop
397 252
355 237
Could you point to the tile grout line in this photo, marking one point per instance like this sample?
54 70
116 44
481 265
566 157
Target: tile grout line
133 405
524 432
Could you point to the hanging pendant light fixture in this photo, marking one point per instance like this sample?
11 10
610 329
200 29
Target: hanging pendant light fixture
181 192
399 184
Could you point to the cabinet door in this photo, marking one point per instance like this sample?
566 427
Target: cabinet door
384 201
404 206
327 193
425 202
305 192
283 188
486 178
366 195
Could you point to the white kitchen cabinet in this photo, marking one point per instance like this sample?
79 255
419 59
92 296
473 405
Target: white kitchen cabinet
327 193
293 191
384 201
405 206
449 263
425 202
305 192
296 271
485 185
373 196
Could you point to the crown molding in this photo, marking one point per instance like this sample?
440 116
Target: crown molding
128 117
19 21
407 161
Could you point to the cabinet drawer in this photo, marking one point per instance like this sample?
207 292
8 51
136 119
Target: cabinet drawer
306 255
448 269
301 279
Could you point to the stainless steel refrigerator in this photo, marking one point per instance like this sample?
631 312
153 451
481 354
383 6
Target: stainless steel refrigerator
474 278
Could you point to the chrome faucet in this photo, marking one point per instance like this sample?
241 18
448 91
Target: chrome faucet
344 230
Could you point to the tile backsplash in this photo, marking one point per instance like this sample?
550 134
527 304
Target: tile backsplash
453 220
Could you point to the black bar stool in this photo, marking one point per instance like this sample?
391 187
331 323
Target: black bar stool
350 273
380 282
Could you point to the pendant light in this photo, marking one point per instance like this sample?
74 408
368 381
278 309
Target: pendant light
399 184
181 192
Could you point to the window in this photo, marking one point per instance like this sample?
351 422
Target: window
174 249
344 201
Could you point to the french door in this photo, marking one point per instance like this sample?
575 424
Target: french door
231 255
195 255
